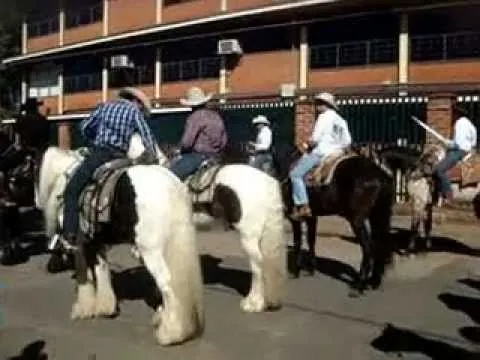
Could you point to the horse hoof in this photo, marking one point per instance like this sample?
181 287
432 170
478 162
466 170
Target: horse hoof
13 256
57 263
294 275
355 293
309 273
253 304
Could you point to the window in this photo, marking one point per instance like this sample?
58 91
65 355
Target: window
44 81
204 68
377 51
43 27
82 74
82 83
84 15
445 46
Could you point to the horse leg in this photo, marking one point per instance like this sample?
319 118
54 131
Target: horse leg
363 232
12 253
427 226
296 251
85 305
311 240
417 217
106 302
255 300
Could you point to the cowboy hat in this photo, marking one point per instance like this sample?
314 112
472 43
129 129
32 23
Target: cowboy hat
327 99
130 92
260 119
195 97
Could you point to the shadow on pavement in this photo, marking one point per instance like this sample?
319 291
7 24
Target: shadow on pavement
213 273
33 351
397 340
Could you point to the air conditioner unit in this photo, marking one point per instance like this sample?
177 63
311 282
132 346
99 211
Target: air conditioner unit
229 47
287 90
121 61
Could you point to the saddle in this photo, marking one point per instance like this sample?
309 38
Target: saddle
322 174
96 199
467 172
201 182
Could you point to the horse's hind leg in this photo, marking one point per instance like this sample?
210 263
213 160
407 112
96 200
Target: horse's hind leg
84 306
255 300
311 240
363 232
106 302
427 226
295 263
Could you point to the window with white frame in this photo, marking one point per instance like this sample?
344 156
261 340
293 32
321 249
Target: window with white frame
44 81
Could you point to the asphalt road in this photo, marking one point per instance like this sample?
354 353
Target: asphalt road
431 304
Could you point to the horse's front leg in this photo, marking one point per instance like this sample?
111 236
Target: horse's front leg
427 226
363 232
310 263
295 258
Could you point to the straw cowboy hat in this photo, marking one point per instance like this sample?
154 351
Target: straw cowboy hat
260 119
130 92
328 99
195 97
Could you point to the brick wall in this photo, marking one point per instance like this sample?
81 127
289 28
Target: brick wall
127 15
190 10
82 101
42 42
439 115
177 90
50 105
304 120
82 33
357 76
233 5
445 72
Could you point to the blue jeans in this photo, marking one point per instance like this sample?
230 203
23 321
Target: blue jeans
452 157
304 165
187 165
81 177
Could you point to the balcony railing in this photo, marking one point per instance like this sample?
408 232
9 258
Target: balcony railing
43 27
141 75
204 68
376 51
82 83
445 46
84 16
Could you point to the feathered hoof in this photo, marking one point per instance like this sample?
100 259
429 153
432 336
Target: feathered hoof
253 304
168 336
83 311
106 306
355 293
294 275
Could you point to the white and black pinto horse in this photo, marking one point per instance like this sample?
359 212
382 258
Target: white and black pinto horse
249 201
151 208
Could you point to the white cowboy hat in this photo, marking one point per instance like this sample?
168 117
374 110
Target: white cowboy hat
195 96
328 99
260 119
130 92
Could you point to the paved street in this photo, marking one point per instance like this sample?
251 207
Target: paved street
430 303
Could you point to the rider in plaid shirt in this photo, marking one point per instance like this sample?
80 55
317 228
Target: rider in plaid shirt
108 131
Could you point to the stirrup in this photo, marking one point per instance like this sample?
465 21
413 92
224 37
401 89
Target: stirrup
57 242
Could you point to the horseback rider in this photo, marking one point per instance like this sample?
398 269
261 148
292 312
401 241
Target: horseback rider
262 157
330 135
32 127
464 141
108 131
204 136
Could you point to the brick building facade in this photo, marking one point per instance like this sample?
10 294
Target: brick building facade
351 48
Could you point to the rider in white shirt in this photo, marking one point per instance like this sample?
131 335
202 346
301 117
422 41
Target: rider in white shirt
330 135
464 141
262 146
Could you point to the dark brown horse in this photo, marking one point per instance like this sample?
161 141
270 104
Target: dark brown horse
361 192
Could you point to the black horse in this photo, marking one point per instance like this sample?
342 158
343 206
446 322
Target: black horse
362 193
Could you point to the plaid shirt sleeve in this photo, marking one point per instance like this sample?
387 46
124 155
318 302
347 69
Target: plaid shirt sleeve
89 126
144 129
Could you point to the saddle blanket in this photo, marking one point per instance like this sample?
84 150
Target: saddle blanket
467 172
322 174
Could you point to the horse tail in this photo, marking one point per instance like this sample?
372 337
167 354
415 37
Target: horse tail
273 249
380 218
183 263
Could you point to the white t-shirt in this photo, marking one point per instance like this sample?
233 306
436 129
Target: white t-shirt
465 134
330 133
264 139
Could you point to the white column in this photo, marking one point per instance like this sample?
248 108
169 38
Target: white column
222 88
105 79
105 17
61 24
24 90
159 10
24 36
223 5
158 72
303 76
60 91
404 50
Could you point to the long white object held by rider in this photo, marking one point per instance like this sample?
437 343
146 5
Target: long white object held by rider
431 131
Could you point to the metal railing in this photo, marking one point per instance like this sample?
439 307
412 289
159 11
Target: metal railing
445 46
375 51
82 82
204 68
43 27
84 15
140 75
